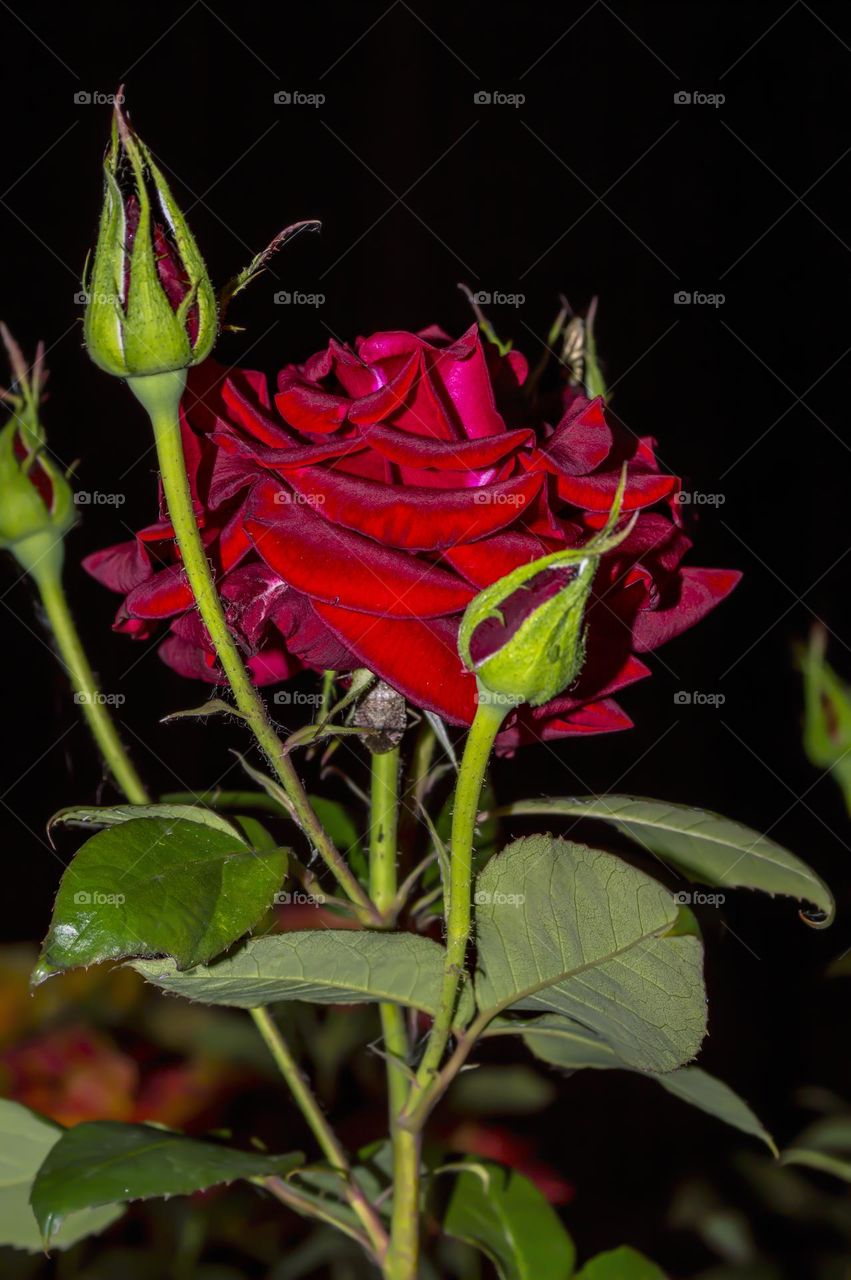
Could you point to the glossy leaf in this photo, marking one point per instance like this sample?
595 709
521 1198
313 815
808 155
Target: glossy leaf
568 1045
504 1215
154 886
621 1264
107 1163
708 847
26 1139
565 929
327 966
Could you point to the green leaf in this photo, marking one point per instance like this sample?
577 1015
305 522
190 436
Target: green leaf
494 1090
25 1140
570 1046
824 1146
504 1215
621 1264
212 707
220 799
708 847
321 966
154 886
565 929
341 827
107 1163
92 817
255 834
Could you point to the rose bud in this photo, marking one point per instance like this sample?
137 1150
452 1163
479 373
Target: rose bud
827 713
151 307
36 502
523 636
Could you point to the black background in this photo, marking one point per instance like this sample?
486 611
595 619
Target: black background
598 183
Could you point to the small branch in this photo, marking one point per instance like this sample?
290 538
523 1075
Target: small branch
319 1127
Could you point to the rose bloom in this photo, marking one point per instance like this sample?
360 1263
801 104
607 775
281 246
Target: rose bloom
353 515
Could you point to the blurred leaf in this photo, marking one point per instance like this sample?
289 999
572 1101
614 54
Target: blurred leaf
620 1264
321 966
505 1216
114 815
568 1045
824 1146
710 848
511 1090
25 1140
153 886
442 734
566 929
106 1163
827 713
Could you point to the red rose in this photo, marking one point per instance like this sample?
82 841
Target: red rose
352 521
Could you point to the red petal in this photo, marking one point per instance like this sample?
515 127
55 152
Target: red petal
461 455
597 492
418 658
121 568
593 717
163 595
332 564
700 590
484 562
417 519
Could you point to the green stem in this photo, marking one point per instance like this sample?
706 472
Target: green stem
458 909
401 1260
160 394
86 691
320 1127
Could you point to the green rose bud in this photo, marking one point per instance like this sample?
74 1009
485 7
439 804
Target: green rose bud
150 305
523 637
36 501
827 713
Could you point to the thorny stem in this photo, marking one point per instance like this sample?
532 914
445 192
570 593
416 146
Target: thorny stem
86 691
320 1127
160 395
401 1260
404 1238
